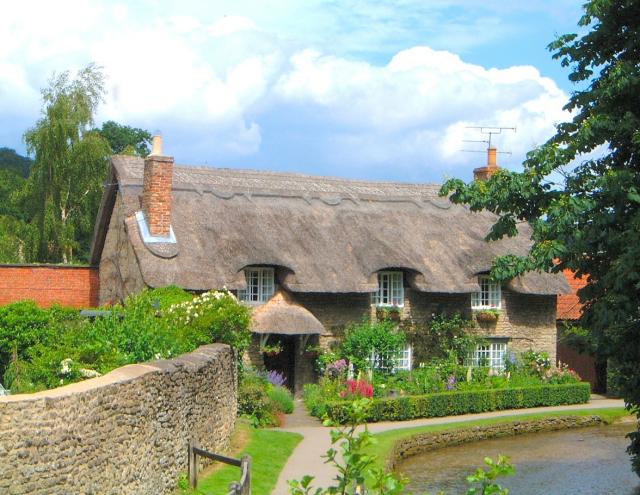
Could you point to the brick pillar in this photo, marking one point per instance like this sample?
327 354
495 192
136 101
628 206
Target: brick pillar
156 194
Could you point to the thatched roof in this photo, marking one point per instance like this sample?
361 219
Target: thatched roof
325 234
284 316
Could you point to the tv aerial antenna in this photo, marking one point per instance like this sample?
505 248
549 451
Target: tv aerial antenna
488 131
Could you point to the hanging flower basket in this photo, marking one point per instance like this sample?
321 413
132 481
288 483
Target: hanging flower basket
271 350
313 351
392 313
487 316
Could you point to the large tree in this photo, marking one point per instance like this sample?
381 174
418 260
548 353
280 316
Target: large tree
64 189
126 140
581 190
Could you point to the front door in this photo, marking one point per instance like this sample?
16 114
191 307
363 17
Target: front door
284 362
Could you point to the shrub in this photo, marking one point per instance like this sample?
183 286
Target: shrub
316 396
455 403
365 339
219 316
282 398
24 324
440 337
254 401
152 324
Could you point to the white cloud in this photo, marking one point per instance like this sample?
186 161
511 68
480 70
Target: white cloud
230 25
423 100
228 91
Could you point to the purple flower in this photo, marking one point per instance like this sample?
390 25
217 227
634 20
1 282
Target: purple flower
276 378
451 383
336 368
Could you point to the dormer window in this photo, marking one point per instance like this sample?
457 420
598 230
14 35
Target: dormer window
390 289
489 296
260 285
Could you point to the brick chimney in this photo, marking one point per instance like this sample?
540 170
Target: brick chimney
157 190
484 173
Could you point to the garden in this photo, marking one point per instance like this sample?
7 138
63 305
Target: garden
42 349
446 380
45 348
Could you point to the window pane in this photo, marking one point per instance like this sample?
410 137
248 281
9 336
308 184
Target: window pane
390 289
260 285
491 355
489 296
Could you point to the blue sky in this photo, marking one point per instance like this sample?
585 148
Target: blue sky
369 89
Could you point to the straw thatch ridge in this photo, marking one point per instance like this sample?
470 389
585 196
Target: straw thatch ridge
284 316
325 234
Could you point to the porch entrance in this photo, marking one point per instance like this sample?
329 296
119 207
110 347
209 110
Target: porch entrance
284 362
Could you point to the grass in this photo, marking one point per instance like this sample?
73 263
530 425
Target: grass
269 451
387 440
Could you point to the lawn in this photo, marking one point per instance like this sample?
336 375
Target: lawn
269 450
386 440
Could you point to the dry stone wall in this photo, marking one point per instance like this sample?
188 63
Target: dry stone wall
123 433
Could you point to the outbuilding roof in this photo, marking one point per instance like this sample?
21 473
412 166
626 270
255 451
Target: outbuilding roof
324 234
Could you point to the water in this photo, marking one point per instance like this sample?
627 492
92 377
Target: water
585 461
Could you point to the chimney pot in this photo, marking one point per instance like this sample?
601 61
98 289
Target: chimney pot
156 145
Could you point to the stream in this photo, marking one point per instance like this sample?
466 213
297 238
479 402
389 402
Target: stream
584 461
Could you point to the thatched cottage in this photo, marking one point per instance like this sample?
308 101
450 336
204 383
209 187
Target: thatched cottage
313 254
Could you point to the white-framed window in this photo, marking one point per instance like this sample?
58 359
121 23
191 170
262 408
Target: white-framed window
491 355
390 289
260 285
401 362
489 296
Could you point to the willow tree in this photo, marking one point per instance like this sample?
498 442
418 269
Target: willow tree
70 165
581 190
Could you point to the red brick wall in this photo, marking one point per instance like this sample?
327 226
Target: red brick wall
72 286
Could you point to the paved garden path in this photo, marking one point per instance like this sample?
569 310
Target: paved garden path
307 457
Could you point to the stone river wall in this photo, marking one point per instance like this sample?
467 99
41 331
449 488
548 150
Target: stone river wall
424 442
125 432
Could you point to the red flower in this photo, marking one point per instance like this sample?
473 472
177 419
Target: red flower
358 388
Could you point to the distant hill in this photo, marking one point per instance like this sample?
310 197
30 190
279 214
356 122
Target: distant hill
10 160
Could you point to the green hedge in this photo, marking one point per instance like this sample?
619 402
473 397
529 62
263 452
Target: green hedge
455 403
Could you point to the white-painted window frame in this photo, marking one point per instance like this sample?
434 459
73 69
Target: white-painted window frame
493 355
390 289
404 359
260 285
489 296
402 362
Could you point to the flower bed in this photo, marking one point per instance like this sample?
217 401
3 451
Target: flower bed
466 402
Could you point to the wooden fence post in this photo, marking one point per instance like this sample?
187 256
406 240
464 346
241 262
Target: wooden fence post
193 465
246 464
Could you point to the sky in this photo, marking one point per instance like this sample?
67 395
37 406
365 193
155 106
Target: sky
360 89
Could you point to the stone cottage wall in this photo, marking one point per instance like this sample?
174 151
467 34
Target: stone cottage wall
528 320
123 433
120 273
